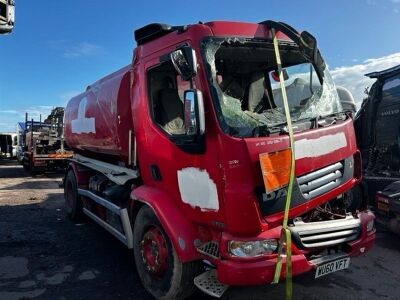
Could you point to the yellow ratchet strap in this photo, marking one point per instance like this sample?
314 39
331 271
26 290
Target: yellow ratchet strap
285 233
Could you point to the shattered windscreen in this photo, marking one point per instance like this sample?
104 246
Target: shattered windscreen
245 83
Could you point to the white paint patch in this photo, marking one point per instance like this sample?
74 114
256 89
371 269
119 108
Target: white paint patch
197 189
320 146
82 124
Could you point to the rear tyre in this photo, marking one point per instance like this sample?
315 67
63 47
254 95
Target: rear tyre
73 201
162 274
25 164
32 169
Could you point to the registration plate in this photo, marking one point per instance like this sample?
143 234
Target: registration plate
333 266
383 206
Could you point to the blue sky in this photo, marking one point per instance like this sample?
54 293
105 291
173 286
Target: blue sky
59 47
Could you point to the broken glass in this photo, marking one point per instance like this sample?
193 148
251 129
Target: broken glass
315 100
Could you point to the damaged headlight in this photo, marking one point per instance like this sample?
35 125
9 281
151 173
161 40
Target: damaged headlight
370 225
252 248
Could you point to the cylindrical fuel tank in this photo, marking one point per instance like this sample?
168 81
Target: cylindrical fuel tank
98 121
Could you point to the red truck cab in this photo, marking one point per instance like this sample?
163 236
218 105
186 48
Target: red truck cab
188 141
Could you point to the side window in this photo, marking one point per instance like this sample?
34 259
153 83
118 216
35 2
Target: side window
391 89
166 98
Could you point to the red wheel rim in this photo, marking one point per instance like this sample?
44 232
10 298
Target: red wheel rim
154 251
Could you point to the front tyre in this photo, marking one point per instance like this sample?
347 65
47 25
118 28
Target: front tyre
162 274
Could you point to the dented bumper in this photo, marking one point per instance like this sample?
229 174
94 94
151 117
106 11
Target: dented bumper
260 270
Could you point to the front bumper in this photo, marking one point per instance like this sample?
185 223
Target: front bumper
258 271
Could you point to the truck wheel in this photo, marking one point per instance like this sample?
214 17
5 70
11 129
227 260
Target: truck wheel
32 169
73 201
162 274
25 164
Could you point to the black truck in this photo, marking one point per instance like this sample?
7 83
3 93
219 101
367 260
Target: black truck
377 126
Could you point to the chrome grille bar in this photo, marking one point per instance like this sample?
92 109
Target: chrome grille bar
325 233
320 181
316 183
319 173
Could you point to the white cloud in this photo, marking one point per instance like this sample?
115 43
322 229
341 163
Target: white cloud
8 111
81 49
352 77
9 118
33 112
73 50
36 111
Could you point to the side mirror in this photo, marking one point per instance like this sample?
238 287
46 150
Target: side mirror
185 62
308 44
194 113
7 16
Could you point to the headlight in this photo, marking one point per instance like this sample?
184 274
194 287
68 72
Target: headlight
252 248
370 225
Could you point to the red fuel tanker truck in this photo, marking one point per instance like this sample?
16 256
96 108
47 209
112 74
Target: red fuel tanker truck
181 155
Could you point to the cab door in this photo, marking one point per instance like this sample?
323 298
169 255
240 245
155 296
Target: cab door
186 168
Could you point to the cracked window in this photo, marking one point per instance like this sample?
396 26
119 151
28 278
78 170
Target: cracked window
246 86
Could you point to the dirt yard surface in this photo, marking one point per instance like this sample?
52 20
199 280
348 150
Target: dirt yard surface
43 255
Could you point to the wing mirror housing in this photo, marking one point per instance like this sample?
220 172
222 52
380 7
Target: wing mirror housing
194 113
7 16
308 44
185 62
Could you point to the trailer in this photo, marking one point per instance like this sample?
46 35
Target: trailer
44 145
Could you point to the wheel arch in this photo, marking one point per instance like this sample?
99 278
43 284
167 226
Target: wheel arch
180 231
81 175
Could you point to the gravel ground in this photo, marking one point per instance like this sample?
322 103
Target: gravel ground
43 255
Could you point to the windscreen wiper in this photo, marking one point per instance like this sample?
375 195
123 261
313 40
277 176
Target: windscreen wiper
265 130
322 121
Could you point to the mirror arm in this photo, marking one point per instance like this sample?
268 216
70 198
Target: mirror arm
291 33
284 28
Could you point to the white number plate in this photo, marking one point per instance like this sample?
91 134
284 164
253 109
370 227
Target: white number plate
333 266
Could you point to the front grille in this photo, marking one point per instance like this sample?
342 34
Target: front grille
325 233
321 181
